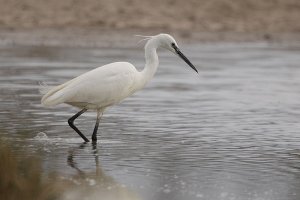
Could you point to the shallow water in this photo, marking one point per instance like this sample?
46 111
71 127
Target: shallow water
231 132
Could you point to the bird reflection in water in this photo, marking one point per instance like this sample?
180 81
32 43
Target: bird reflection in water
96 184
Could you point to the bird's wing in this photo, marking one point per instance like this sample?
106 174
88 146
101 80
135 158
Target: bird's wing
102 86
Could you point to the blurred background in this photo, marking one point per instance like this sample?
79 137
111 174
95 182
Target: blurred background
262 19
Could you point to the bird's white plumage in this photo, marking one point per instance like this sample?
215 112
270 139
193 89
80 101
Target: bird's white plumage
111 83
96 89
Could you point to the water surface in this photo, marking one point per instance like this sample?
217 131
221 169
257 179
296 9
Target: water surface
231 132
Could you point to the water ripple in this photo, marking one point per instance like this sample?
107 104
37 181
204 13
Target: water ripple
229 133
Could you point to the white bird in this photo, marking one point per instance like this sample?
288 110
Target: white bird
110 84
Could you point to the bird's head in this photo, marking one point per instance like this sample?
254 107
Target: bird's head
166 41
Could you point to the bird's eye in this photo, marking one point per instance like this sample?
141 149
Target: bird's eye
173 44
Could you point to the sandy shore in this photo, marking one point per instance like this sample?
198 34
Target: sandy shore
192 15
79 22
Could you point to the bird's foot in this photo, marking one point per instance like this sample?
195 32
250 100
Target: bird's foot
94 139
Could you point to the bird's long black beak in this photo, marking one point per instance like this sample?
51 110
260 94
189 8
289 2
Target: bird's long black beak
183 57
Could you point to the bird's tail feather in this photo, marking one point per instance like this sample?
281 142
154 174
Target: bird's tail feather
55 95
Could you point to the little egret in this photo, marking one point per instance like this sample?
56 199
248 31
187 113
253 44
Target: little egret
110 84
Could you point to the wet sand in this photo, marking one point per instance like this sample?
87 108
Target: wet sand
97 37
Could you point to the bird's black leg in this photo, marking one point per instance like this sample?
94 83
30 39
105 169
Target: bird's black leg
71 123
94 136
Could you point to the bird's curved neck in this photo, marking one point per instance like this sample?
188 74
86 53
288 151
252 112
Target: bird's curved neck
151 62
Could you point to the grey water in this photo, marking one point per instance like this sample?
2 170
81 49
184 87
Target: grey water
231 132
